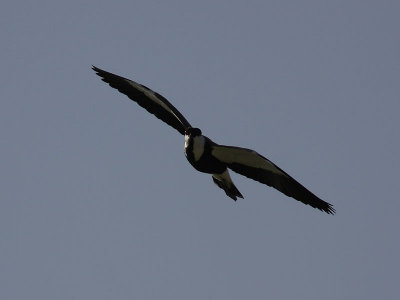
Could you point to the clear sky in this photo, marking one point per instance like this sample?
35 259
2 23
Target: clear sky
98 200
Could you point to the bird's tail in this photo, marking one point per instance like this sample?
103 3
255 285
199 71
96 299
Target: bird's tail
225 182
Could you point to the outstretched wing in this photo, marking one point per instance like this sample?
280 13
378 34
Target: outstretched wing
255 166
153 102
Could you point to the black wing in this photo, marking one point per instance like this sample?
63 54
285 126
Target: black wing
255 166
153 102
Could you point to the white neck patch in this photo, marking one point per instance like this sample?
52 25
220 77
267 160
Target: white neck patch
186 141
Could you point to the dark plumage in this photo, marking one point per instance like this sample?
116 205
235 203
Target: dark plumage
209 157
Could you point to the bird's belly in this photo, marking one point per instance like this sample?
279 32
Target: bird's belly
207 164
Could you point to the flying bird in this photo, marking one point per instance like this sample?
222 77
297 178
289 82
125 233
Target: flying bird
209 157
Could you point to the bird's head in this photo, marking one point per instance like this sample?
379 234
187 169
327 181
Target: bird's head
193 132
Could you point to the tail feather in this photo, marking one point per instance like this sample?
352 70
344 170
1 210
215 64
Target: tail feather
225 182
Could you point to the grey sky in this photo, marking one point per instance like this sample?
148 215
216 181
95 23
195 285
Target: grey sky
98 200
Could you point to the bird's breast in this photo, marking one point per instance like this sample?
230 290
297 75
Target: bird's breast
195 145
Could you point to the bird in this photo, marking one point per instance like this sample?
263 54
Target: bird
209 157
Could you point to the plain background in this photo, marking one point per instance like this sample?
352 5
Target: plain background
98 200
